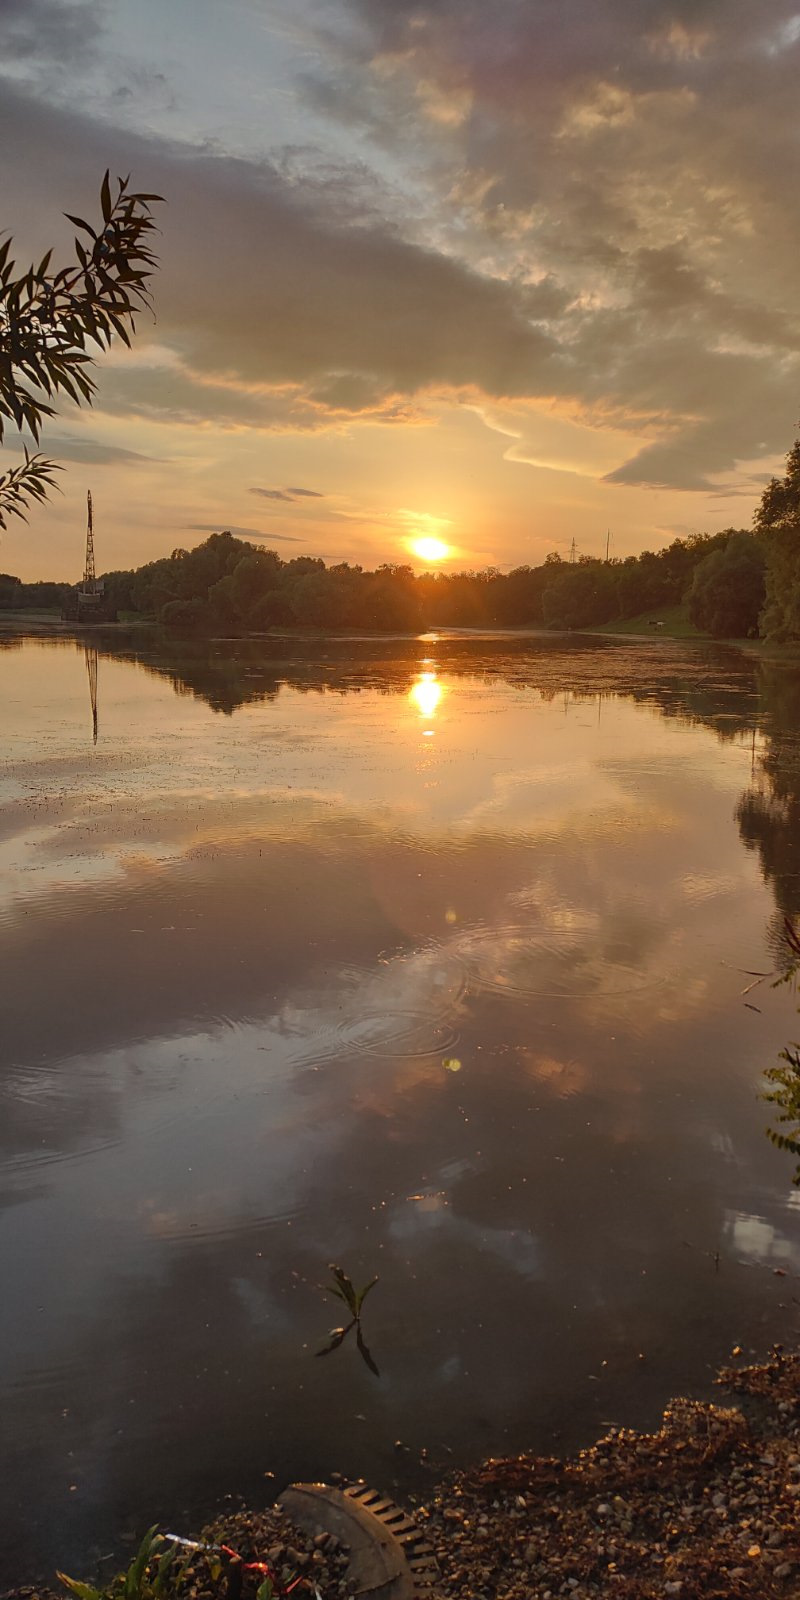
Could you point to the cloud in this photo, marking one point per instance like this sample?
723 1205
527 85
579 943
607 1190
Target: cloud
241 533
309 300
33 31
92 451
67 447
592 216
289 495
636 161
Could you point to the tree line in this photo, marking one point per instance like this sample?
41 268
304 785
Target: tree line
227 583
735 584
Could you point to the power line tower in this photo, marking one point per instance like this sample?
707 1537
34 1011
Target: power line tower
87 601
89 578
573 553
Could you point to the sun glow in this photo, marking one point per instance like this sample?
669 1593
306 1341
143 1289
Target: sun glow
429 549
426 694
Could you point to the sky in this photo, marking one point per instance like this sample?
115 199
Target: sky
499 275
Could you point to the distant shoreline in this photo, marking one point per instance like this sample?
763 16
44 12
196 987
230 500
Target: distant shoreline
23 624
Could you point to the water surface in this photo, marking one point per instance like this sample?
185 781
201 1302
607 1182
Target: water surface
424 956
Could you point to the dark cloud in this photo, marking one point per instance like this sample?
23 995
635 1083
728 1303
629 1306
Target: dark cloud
289 495
66 447
92 451
311 300
36 31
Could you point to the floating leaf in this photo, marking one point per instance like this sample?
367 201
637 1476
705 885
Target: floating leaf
362 1294
346 1287
365 1353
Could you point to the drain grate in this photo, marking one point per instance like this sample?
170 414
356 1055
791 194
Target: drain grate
389 1558
419 1554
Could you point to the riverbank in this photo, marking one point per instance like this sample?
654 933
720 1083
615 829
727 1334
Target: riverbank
706 1508
669 622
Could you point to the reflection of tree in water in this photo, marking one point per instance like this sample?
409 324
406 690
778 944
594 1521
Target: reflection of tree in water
713 685
768 813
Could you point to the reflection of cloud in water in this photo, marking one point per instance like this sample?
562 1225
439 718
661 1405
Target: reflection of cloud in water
549 961
408 1007
697 886
514 1247
758 1240
305 918
565 1078
557 795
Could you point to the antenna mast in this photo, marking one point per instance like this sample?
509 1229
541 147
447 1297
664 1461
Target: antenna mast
89 580
573 553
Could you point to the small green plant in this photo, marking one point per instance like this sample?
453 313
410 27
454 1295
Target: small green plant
146 1578
353 1298
785 1079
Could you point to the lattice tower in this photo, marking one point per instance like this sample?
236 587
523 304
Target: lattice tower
89 580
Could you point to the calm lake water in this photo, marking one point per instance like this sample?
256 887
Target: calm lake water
422 956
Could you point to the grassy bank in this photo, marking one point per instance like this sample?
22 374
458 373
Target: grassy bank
671 622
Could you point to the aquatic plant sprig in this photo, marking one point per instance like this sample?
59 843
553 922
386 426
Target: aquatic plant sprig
784 1080
344 1290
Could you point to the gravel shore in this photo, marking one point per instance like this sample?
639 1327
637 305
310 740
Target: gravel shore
707 1508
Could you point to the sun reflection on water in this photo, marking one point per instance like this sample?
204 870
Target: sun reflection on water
426 694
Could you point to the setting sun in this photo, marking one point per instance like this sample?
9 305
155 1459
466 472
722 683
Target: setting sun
430 549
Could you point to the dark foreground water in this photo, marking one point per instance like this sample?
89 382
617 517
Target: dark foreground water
421 956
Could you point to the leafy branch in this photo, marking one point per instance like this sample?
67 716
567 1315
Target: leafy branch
31 480
52 324
342 1288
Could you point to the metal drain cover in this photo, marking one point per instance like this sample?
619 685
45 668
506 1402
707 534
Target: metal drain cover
389 1559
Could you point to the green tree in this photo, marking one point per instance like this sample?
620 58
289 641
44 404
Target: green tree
780 502
778 518
581 594
51 321
727 591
